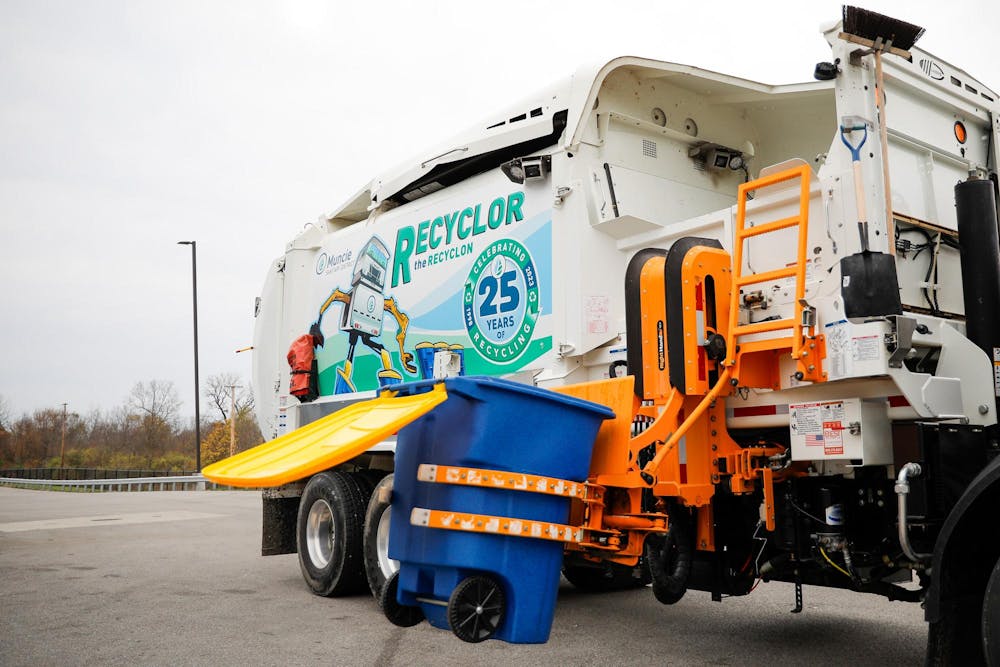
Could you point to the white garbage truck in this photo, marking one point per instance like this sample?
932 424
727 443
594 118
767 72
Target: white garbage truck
800 285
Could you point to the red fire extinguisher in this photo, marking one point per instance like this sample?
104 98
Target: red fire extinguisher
304 383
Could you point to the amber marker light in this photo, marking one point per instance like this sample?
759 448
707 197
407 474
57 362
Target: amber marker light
960 132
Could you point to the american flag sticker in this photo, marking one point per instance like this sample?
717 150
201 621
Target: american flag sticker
814 440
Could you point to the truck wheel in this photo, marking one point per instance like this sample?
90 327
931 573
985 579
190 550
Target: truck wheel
476 608
607 577
378 566
403 616
991 618
330 535
365 484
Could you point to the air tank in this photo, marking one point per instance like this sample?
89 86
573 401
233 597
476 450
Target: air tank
975 203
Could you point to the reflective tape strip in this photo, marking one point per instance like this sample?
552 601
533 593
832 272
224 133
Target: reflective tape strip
497 479
496 525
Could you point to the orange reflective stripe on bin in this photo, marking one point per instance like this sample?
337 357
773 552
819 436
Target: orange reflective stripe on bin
498 479
498 525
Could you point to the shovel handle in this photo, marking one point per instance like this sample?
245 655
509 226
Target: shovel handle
859 195
855 150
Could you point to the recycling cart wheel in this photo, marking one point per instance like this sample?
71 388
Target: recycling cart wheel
401 615
476 608
330 535
378 566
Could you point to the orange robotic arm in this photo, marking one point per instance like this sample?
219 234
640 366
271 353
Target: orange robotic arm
404 322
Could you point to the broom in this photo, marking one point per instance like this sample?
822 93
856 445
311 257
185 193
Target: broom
881 33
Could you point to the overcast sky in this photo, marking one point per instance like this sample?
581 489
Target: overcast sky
128 126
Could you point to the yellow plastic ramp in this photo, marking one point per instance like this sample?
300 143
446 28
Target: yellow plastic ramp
325 442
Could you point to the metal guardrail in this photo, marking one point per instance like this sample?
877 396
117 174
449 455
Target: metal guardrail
172 483
92 473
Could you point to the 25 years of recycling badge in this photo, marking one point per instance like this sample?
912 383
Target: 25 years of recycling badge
501 301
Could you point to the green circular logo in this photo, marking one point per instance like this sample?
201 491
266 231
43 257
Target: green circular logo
501 301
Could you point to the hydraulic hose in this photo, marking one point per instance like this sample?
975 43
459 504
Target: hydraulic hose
670 559
902 489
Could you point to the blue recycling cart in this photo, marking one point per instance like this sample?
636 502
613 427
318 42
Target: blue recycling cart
478 554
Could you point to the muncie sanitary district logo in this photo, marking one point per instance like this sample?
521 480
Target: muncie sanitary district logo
501 301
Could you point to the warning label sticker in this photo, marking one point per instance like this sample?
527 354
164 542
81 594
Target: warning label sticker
819 425
996 371
833 441
837 346
865 348
596 309
806 419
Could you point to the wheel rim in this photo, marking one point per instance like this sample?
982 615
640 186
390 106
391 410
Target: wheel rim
320 533
388 565
477 609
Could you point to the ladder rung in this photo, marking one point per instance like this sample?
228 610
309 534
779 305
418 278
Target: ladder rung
784 223
800 172
767 345
767 276
762 327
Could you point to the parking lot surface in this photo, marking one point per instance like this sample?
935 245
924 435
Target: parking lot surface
176 578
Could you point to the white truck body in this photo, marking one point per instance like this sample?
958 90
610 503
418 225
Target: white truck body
625 146
525 246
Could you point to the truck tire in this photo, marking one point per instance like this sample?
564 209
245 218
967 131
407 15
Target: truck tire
607 577
991 618
378 566
329 535
367 481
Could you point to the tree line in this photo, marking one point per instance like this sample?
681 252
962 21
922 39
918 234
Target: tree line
145 431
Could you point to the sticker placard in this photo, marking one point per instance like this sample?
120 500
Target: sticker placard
820 425
596 309
865 348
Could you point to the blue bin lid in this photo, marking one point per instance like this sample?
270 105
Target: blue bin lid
474 386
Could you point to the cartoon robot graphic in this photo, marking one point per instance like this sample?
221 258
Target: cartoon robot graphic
363 308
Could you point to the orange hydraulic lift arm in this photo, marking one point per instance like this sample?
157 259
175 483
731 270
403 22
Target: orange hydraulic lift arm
403 321
649 472
335 297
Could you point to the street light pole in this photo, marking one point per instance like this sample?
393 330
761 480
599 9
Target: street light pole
197 392
62 446
232 418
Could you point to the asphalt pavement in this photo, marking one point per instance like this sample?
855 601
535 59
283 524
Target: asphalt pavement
175 578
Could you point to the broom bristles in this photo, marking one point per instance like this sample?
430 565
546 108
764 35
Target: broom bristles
872 25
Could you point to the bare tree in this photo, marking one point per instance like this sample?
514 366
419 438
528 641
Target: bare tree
152 408
9 451
5 418
218 392
36 436
156 398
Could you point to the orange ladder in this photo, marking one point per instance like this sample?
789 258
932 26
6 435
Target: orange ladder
755 362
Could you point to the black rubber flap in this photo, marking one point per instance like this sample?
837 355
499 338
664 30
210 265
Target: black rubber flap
869 285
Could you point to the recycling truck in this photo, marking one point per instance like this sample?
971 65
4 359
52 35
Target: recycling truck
785 299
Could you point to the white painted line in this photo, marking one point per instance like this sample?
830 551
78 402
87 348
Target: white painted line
104 520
